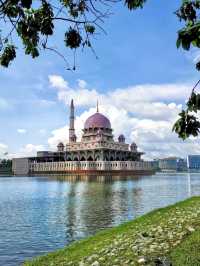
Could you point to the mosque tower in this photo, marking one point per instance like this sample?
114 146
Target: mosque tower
72 136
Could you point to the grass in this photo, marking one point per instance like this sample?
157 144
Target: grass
188 252
157 237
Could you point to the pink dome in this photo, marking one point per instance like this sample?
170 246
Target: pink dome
97 121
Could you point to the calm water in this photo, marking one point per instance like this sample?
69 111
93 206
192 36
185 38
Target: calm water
41 214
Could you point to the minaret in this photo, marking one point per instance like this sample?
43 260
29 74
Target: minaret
71 122
97 106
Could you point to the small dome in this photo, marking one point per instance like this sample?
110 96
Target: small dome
60 144
121 138
133 146
97 120
60 147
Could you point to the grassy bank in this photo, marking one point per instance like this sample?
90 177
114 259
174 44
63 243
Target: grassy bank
188 252
153 239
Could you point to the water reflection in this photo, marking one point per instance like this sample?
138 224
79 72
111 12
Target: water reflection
41 214
93 178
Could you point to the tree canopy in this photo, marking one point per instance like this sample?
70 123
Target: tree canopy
5 163
34 23
188 123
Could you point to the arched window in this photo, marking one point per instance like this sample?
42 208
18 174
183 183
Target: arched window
106 158
97 158
90 158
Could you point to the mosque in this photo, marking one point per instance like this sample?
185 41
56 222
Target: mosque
97 151
97 142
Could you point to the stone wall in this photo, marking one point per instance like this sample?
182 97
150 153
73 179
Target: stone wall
20 166
69 166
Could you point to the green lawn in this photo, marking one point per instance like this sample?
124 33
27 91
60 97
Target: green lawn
164 235
188 252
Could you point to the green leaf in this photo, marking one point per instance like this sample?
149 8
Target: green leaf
186 126
8 55
198 66
178 43
134 4
72 38
90 29
26 3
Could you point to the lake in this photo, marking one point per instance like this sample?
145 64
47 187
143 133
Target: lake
42 214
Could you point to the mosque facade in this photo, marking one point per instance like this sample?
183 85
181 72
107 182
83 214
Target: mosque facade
97 142
96 151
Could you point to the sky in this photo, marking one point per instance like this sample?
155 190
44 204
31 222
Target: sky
140 79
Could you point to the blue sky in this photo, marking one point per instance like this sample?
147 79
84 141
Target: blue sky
139 49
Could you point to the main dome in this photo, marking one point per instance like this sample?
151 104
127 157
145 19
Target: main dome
97 120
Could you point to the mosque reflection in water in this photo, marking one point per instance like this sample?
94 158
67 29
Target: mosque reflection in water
89 203
95 202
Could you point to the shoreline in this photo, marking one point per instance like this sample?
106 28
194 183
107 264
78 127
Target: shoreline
147 239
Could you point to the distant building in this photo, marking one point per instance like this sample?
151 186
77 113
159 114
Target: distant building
182 165
155 164
193 162
172 163
169 163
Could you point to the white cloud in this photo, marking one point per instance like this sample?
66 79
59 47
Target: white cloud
81 95
21 131
27 151
132 98
151 93
31 148
59 135
82 83
144 113
3 149
58 82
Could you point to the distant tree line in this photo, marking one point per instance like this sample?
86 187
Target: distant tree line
5 164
